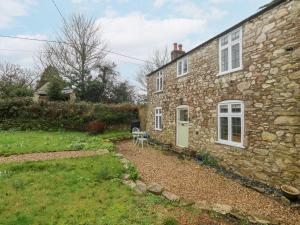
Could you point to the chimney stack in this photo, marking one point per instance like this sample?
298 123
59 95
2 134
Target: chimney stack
175 46
177 51
180 47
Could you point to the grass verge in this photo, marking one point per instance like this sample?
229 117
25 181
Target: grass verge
19 142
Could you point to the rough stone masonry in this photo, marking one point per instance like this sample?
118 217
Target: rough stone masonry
268 84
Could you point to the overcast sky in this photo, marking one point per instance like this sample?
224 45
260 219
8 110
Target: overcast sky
132 27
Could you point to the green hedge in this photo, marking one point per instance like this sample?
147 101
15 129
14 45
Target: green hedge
23 113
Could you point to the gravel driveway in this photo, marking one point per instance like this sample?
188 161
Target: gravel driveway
50 155
193 182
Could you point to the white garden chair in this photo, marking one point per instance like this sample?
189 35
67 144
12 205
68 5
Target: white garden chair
143 137
135 134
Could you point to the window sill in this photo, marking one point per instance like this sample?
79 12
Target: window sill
230 71
158 130
234 144
157 92
182 75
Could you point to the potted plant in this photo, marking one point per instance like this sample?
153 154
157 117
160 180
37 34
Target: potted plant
290 192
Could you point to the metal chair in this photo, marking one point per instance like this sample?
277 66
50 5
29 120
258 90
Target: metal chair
143 138
135 136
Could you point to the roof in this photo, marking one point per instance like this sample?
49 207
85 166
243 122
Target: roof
267 7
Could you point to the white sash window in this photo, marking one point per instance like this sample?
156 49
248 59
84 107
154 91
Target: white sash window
159 81
231 123
158 118
230 52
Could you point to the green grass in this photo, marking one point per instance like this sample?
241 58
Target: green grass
72 191
19 142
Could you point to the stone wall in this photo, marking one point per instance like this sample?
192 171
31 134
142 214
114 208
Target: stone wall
269 85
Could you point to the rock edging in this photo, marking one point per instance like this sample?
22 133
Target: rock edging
141 188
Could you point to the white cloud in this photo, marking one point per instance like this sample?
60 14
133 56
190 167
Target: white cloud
136 35
20 51
159 3
12 9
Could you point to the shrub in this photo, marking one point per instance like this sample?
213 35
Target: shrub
23 113
170 221
133 172
111 147
207 159
77 145
96 127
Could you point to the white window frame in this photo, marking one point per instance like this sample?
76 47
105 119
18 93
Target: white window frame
159 81
158 114
229 115
229 47
181 61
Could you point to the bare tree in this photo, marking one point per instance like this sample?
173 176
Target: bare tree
14 77
77 52
159 58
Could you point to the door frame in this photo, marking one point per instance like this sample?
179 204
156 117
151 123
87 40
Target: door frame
177 109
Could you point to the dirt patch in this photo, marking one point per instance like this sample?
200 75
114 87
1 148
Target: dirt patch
49 155
191 181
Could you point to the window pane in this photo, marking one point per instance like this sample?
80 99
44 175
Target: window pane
224 128
179 68
161 83
185 65
235 52
183 115
236 129
156 121
223 108
224 59
224 41
160 122
235 35
157 84
236 108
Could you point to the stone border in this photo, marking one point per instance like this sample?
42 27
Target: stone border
246 181
258 186
141 188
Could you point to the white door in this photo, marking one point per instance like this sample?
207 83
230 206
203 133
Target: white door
183 126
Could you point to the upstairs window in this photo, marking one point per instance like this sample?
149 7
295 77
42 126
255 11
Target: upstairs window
159 81
158 118
231 123
182 66
230 52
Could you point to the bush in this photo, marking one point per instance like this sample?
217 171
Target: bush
96 127
23 114
133 173
207 159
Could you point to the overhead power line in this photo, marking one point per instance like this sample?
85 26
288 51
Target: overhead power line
58 10
14 50
63 42
116 53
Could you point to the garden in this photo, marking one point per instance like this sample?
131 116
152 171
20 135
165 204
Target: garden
86 189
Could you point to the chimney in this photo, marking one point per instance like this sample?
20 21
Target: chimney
175 46
180 47
177 51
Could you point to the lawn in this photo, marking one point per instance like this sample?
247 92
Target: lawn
19 142
79 191
74 191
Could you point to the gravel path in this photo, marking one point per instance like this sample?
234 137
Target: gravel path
50 155
193 182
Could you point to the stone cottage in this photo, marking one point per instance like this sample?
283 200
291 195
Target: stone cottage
236 96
